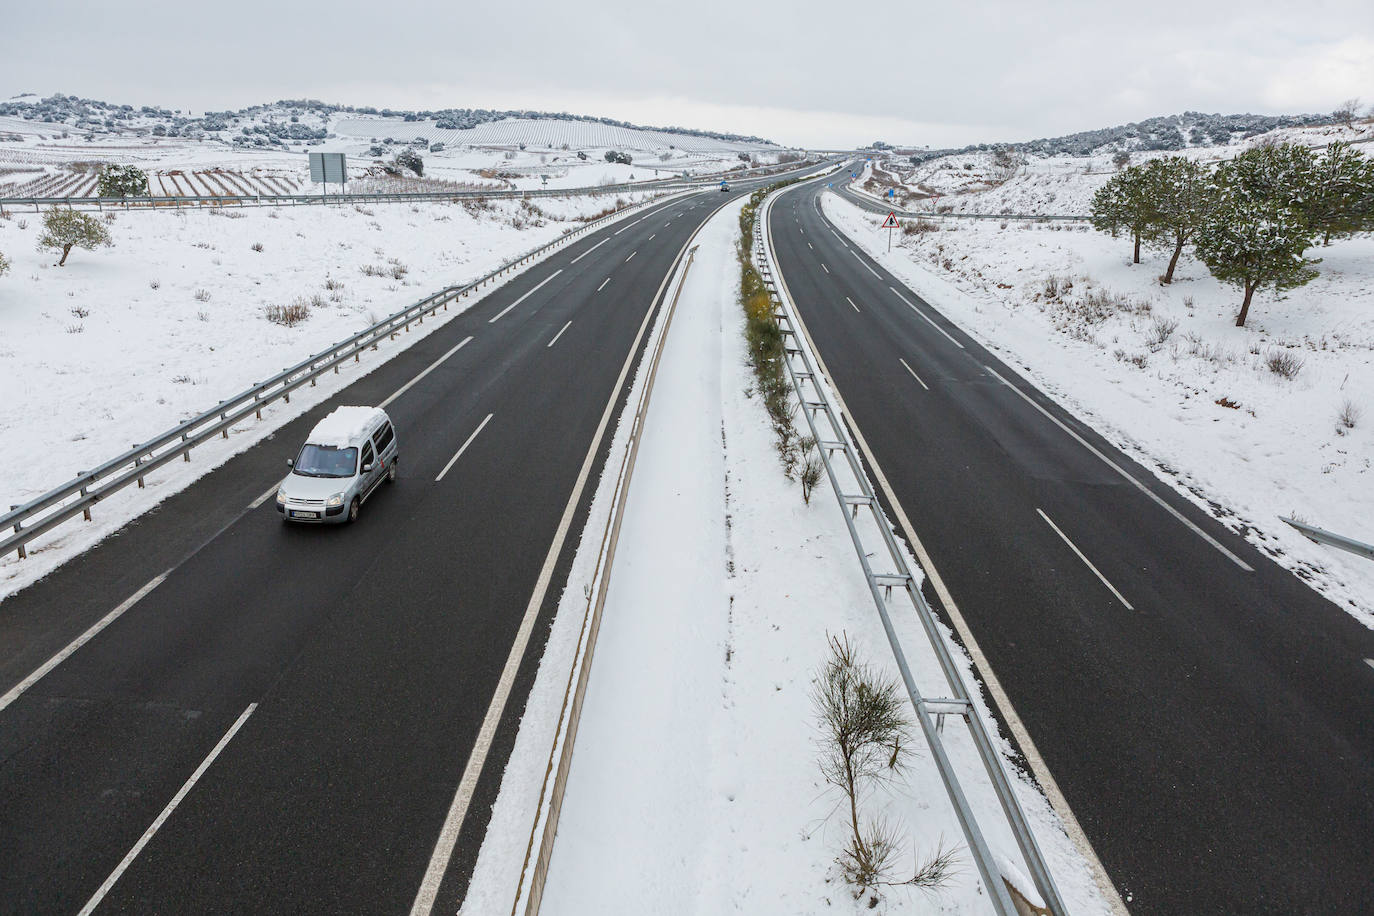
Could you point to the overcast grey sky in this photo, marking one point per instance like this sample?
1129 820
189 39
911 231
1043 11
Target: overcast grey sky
799 72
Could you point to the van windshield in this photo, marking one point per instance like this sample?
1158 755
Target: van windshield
326 461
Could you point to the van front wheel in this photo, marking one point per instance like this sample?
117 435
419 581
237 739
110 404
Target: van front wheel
353 510
391 472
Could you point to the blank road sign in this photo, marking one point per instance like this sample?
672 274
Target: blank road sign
328 167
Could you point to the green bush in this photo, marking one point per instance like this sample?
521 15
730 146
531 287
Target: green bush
123 181
64 230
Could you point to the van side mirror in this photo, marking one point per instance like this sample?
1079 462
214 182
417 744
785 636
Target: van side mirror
367 468
291 462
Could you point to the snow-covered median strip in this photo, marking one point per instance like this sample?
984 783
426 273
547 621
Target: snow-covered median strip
695 786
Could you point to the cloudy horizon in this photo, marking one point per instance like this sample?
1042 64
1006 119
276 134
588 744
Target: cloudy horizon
986 72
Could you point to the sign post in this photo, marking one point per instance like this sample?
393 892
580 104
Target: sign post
889 224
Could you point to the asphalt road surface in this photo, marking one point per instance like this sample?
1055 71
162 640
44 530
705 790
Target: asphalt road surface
1208 717
280 724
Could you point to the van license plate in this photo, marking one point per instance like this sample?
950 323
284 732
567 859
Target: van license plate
295 514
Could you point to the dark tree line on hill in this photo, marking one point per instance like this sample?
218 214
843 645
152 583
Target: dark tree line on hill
1252 219
1171 132
91 114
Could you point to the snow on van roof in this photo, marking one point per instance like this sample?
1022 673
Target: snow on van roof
343 426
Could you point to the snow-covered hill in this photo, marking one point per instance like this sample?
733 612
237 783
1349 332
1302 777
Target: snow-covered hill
1008 181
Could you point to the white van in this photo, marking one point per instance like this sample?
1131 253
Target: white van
345 458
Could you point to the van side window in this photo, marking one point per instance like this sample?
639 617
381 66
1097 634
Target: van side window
367 454
383 437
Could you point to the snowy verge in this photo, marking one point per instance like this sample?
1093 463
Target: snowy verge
147 358
695 787
1163 373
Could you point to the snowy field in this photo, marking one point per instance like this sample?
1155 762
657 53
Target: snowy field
1163 372
123 343
694 786
39 159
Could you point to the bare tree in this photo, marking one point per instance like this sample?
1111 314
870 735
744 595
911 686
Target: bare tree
1347 111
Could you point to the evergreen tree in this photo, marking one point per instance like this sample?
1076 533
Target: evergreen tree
1124 203
1343 181
409 159
4 264
123 181
1182 196
64 230
1259 227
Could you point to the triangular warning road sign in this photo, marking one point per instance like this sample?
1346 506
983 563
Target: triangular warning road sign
890 222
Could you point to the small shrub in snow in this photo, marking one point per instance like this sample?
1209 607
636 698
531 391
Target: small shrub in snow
154 284
203 315
331 284
396 270
79 312
1283 363
1160 331
288 315
1348 417
64 230
201 295
865 740
4 264
257 246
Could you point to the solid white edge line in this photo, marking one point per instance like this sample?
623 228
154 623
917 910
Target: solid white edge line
928 319
869 269
651 238
1086 562
632 254
559 334
464 447
1039 769
824 268
588 251
1369 662
1122 471
132 854
851 303
603 284
524 297
14 692
913 374
453 822
432 366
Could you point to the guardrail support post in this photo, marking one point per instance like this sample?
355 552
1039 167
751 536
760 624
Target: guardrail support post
138 460
23 555
85 513
186 455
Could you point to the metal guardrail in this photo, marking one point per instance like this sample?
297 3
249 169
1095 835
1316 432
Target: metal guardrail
282 200
831 436
1322 536
876 205
79 494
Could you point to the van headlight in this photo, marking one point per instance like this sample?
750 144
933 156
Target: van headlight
335 500
281 497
